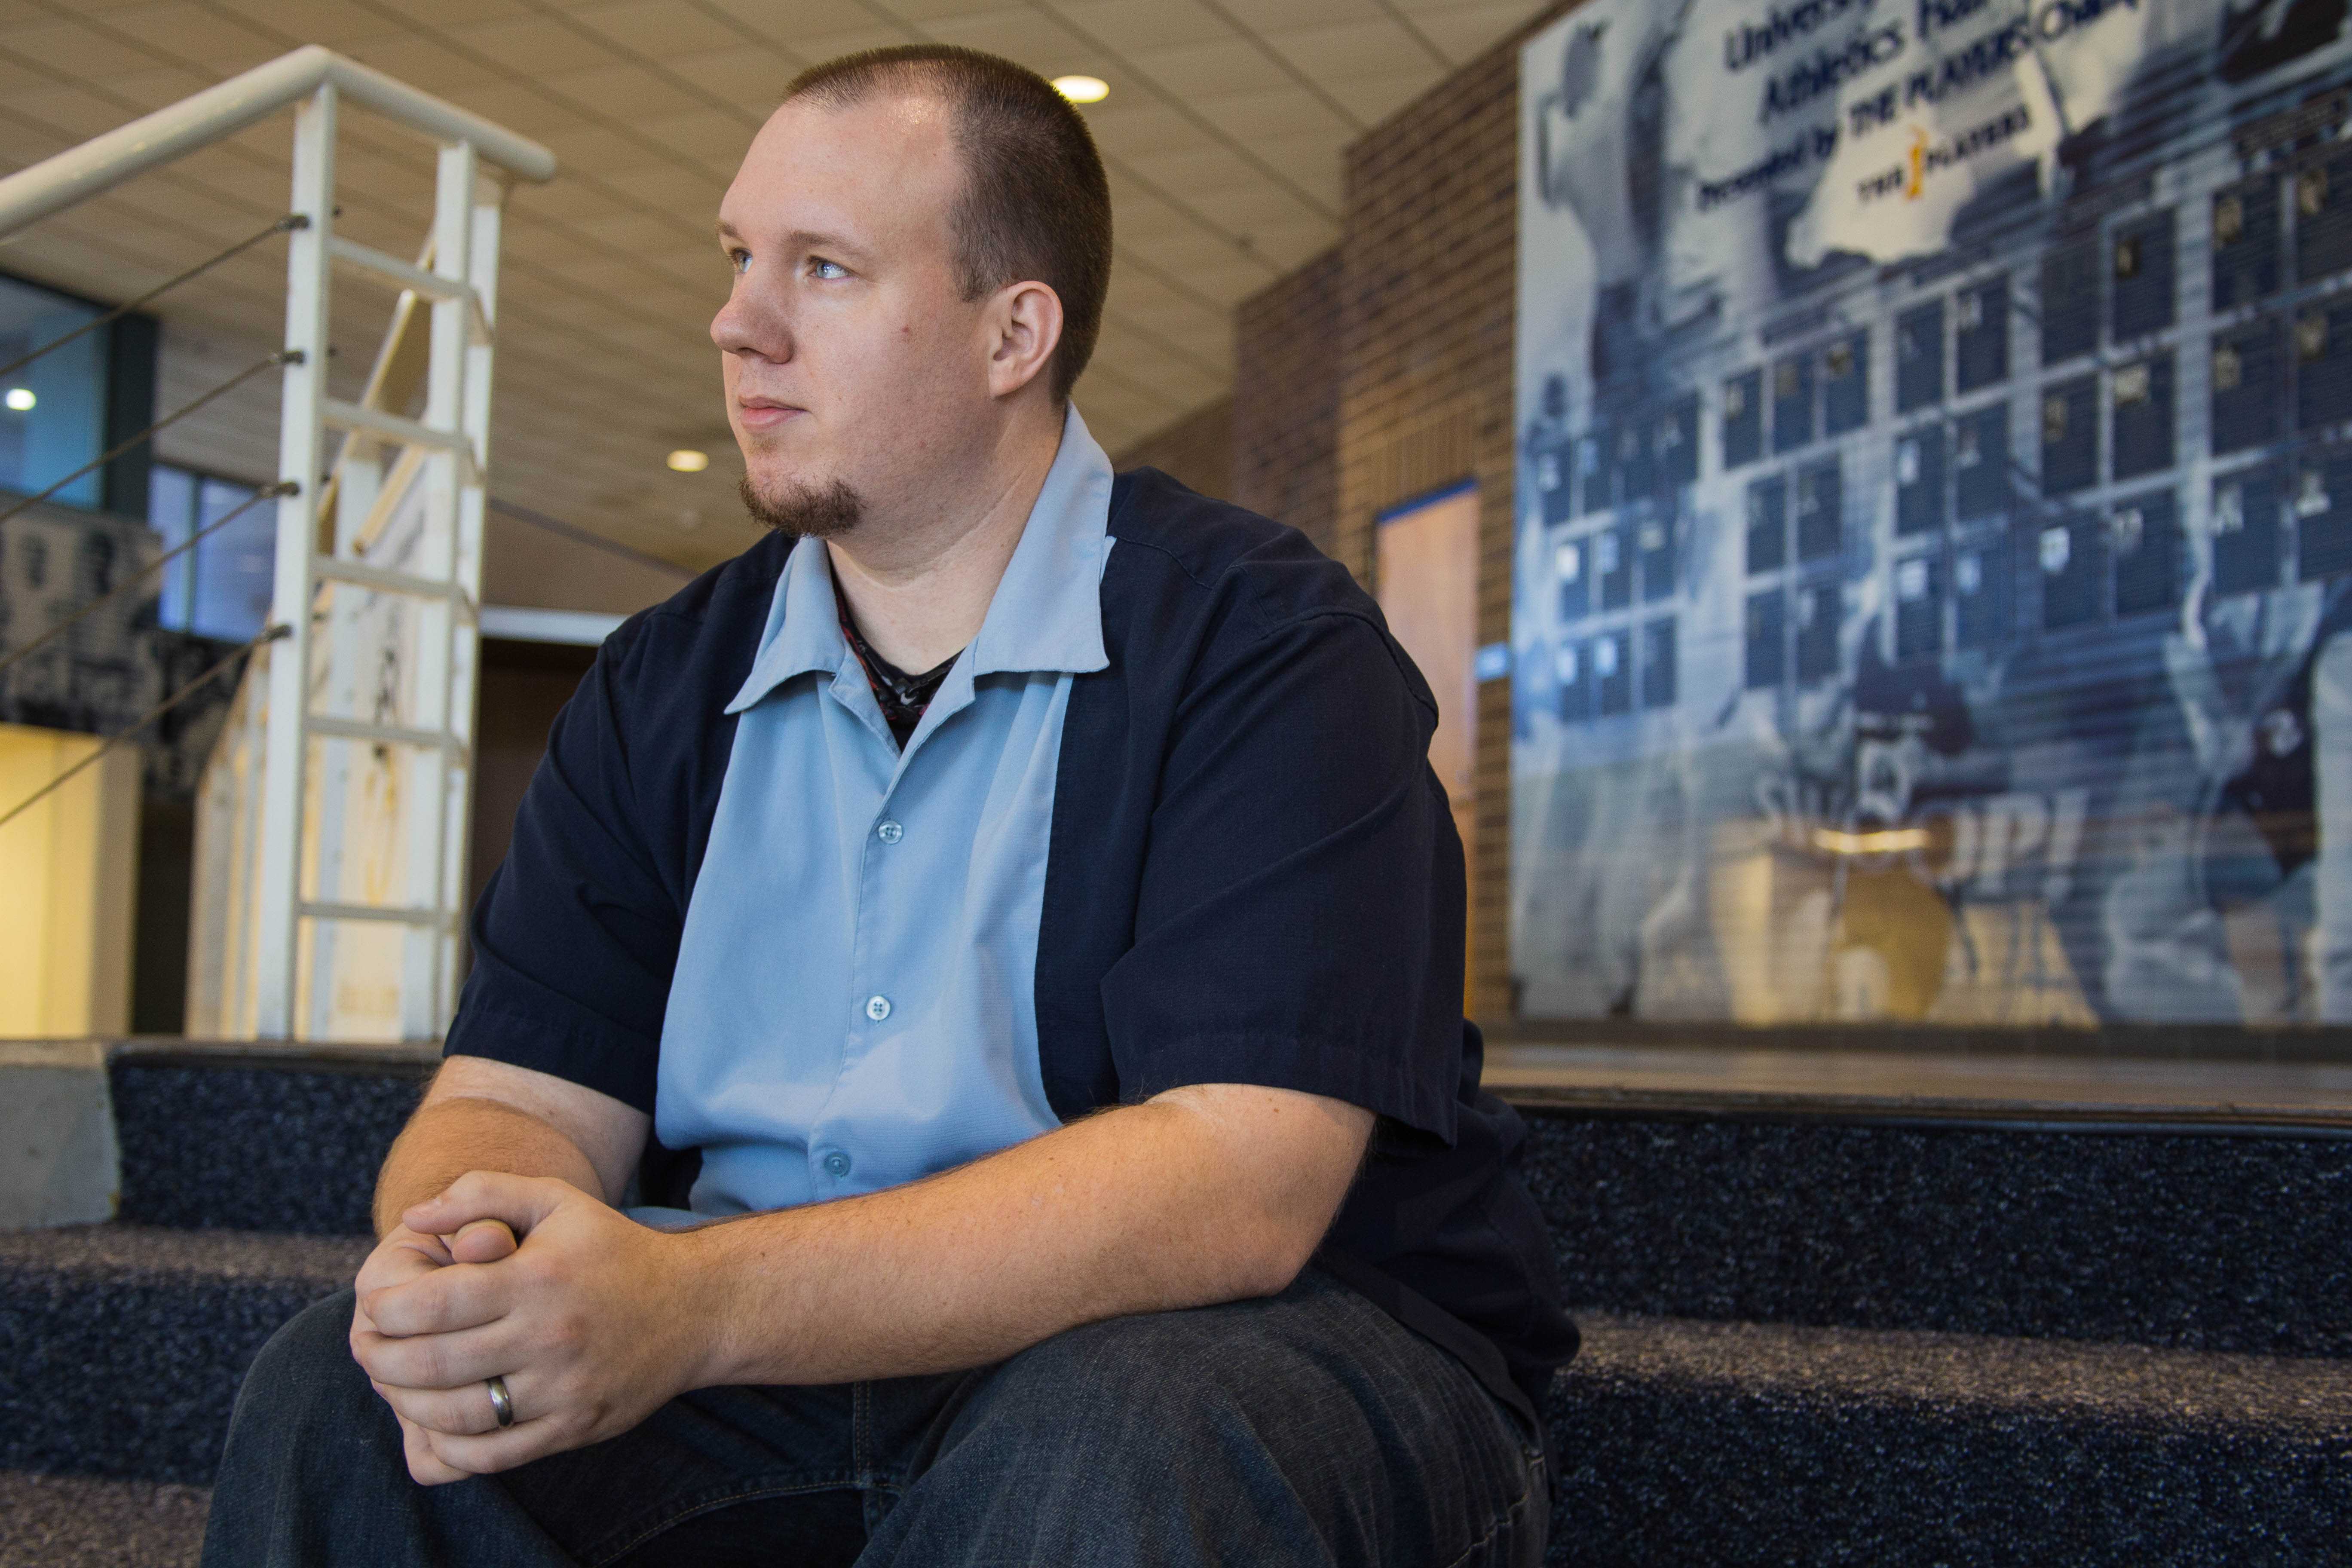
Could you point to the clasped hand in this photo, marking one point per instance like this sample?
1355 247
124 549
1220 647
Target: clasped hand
590 1319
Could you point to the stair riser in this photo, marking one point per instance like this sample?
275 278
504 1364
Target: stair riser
2200 1242
1664 1477
253 1147
129 1378
2222 1242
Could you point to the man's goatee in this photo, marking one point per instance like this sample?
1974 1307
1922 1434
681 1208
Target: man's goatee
803 512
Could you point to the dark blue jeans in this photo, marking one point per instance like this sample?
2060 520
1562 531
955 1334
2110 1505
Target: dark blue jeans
1308 1428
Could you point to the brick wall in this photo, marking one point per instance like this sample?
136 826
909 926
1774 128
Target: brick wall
1428 315
1197 450
1287 401
1418 298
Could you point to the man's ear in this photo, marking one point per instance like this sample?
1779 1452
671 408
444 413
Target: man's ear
1023 323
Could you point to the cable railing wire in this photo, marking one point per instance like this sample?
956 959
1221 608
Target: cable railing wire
267 492
282 357
173 700
286 224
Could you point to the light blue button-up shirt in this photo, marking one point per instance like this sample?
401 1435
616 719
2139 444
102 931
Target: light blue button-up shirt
855 1001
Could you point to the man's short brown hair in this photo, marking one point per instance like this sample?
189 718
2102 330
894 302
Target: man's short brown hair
1035 203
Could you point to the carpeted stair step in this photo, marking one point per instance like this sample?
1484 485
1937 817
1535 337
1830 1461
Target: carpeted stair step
245 1140
2194 1239
1730 1444
2189 1239
121 1346
83 1522
1682 1442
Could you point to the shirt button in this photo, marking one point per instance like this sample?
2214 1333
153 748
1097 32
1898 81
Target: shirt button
836 1164
877 1007
889 832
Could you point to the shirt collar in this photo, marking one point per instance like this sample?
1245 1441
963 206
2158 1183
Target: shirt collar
1046 613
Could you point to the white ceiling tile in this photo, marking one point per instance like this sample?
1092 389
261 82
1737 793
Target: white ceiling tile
609 279
816 48
444 14
1466 31
421 60
928 11
18 76
1345 49
567 195
672 190
1377 98
1139 224
747 75
1231 282
630 231
792 22
338 24
73 51
1145 292
1200 71
1244 209
1273 113
600 150
704 135
536 46
1159 355
152 89
185 32
1292 246
1029 37
518 106
1130 24
75 112
621 92
1316 162
1144 128
658 29
1265 15
1184 172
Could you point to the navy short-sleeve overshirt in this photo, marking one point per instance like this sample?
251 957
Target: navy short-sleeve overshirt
1253 876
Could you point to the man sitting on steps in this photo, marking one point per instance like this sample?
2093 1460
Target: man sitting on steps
1006 929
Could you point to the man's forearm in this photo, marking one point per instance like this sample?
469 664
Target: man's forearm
452 1136
1176 1202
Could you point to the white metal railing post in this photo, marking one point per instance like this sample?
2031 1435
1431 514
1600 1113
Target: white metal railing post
358 473
407 557
447 473
465 662
299 453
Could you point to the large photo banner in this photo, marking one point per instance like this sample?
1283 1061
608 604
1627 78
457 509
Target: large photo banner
1933 551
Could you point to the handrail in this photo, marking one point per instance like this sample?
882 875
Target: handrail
55 184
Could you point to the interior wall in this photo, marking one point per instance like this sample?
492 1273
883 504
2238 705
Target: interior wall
1419 298
529 567
1196 451
524 686
69 865
1286 425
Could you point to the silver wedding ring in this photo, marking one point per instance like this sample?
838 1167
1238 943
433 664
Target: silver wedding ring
501 1402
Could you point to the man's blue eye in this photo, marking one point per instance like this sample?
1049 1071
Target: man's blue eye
830 269
739 260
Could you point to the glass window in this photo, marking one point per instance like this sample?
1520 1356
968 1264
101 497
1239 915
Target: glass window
52 411
233 566
171 512
222 587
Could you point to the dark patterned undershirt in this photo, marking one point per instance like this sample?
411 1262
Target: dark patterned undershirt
901 697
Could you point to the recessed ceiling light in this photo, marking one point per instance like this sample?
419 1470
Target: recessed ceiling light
686 460
21 398
1082 88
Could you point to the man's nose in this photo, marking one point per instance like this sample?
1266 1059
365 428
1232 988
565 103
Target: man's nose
752 322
